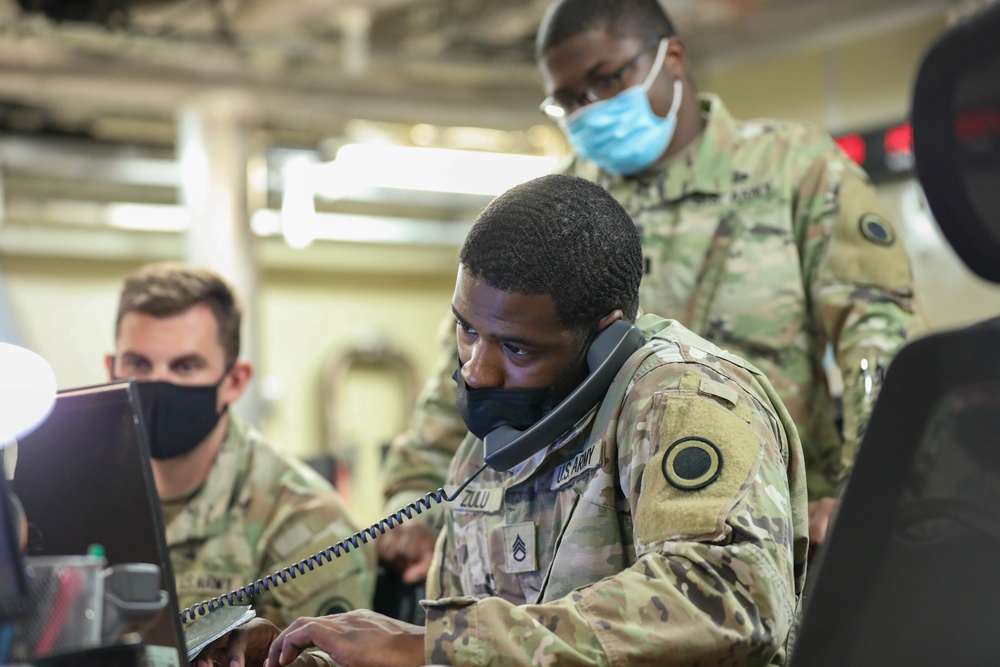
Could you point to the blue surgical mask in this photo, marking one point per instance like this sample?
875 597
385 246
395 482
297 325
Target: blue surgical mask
622 135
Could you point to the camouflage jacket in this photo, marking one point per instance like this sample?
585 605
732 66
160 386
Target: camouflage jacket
764 238
668 527
258 511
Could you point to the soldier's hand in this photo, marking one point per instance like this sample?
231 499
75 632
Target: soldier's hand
246 646
821 513
355 639
408 548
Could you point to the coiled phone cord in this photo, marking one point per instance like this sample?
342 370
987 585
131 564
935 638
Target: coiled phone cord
245 594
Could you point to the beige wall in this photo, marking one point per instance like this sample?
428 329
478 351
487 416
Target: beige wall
854 86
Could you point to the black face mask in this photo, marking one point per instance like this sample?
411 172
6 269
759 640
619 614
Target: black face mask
178 417
485 410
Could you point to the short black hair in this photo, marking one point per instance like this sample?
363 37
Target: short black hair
563 19
560 235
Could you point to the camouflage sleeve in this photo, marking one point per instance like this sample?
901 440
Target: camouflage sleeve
303 524
861 289
418 458
714 580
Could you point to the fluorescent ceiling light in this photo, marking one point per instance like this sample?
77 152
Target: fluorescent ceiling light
148 217
361 166
367 228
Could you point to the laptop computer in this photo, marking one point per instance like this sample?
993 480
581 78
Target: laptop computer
84 479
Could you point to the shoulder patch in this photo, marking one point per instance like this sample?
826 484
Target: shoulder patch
692 463
703 460
877 229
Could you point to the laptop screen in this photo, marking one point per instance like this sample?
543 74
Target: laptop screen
84 479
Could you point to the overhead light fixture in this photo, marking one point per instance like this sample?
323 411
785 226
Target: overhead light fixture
365 228
361 166
147 217
298 202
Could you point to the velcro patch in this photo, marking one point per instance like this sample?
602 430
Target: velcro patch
482 501
863 246
209 584
588 459
704 456
519 547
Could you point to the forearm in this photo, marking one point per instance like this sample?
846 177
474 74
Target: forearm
873 332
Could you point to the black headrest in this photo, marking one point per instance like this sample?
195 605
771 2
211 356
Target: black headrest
956 138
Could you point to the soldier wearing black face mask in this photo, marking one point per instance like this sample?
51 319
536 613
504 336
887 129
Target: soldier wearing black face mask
235 508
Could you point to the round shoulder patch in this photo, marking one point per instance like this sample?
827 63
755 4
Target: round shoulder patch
877 229
692 463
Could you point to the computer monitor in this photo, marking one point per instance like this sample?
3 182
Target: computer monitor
13 586
84 478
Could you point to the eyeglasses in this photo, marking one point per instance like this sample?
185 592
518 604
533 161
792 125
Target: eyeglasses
603 87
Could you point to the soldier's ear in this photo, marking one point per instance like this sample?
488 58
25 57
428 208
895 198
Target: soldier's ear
609 319
235 382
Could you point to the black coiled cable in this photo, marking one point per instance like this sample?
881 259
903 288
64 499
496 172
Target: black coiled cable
245 594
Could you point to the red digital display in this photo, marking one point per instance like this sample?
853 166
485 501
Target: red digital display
854 146
898 140
884 153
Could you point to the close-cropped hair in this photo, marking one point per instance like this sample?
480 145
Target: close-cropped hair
564 236
165 289
643 19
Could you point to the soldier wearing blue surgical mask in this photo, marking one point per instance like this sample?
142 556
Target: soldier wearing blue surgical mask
760 235
623 101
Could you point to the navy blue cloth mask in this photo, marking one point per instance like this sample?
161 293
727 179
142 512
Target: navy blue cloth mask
485 410
178 417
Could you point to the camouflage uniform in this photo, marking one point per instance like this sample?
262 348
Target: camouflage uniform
764 238
667 528
258 511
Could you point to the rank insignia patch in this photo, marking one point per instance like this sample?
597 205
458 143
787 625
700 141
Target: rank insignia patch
876 229
692 463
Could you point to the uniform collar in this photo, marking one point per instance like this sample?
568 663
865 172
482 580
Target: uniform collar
205 510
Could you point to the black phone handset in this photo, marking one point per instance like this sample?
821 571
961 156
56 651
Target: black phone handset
505 447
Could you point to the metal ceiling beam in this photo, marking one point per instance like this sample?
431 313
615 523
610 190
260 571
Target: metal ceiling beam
114 245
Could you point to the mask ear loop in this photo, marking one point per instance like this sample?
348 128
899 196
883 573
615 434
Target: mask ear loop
661 55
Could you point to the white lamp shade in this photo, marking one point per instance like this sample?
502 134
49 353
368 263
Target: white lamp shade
27 391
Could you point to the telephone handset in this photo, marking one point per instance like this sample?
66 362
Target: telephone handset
505 447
